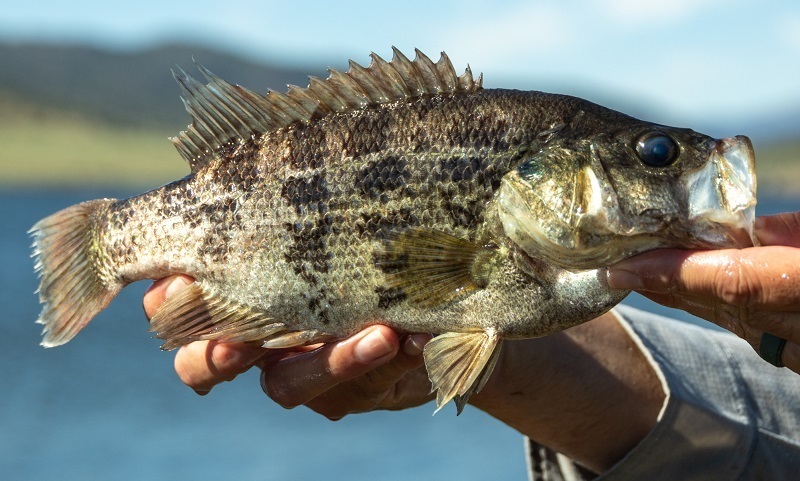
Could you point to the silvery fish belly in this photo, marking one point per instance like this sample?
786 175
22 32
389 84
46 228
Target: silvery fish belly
398 193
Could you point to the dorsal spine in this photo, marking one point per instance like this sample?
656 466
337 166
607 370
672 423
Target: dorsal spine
222 112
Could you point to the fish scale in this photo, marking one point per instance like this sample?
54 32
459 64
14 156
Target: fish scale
398 193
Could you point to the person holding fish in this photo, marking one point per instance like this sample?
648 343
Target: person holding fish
605 394
328 226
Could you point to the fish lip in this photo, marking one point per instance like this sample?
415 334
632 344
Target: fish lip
722 195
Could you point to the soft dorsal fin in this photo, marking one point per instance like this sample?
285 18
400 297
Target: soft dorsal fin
222 112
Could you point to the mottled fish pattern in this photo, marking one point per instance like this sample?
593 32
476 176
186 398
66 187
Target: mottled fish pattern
386 193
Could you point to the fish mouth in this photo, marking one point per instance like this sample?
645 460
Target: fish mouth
722 196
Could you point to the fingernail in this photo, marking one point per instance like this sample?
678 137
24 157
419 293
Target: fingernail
372 347
177 284
624 279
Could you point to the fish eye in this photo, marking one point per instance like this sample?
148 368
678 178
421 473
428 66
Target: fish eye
657 149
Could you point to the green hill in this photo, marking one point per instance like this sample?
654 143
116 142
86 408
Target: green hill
80 116
76 116
125 88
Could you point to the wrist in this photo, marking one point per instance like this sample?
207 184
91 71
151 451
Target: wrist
587 392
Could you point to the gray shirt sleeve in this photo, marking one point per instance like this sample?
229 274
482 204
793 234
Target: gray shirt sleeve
727 414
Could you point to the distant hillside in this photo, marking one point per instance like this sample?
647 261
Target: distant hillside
133 88
77 116
137 88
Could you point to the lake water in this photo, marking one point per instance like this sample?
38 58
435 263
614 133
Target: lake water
108 406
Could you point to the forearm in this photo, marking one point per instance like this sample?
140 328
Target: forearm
588 392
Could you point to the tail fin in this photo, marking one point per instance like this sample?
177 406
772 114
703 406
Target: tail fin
71 287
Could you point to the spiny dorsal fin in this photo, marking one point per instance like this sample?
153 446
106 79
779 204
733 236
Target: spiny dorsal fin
222 112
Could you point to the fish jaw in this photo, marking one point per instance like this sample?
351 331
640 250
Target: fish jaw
722 196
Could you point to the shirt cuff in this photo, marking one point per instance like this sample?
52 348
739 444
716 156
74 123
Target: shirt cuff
692 426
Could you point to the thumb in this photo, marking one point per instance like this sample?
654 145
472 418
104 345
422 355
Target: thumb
761 277
653 271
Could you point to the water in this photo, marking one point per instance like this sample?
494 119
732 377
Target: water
108 405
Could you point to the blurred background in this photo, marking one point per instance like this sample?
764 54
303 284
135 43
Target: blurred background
87 102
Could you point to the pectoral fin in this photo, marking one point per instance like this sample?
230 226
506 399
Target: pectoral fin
459 364
433 267
197 313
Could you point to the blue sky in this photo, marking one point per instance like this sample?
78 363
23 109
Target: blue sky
685 60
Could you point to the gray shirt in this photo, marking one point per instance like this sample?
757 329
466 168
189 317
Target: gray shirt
727 414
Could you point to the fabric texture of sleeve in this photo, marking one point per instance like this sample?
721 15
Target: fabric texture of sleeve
727 415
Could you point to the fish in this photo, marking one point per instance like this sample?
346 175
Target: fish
399 193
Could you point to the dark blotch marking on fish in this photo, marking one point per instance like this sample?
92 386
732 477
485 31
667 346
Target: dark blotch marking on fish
309 258
457 169
307 193
315 304
379 224
216 240
382 175
390 262
389 296
481 172
465 214
308 253
490 177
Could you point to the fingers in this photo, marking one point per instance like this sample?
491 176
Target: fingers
358 374
400 383
747 323
349 376
749 291
201 365
791 357
779 229
760 277
160 290
741 322
204 364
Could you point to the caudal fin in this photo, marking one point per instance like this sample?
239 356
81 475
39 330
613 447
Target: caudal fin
72 286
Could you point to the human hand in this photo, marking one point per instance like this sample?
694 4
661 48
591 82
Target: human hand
749 292
536 381
374 369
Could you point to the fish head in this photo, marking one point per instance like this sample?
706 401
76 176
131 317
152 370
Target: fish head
592 200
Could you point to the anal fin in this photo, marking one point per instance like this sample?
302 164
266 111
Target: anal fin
197 313
459 364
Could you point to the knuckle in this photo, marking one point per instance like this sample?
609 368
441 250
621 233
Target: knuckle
222 358
727 317
736 283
